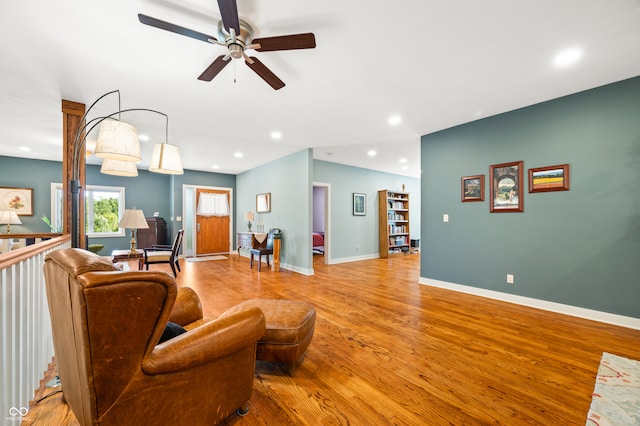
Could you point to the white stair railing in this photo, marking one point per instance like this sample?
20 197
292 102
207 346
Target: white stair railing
26 344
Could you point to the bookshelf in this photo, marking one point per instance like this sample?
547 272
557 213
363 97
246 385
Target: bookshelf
393 212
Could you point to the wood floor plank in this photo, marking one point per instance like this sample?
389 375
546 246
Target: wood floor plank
388 350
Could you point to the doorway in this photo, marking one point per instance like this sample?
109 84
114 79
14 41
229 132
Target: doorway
321 220
210 230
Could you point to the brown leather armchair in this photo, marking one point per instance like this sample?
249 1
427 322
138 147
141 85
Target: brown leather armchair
106 325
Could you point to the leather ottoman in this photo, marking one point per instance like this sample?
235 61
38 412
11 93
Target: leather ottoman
290 325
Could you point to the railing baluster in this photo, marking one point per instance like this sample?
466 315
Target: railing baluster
26 344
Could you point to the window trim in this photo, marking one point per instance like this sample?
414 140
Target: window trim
55 209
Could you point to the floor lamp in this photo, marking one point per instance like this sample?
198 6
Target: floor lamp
117 140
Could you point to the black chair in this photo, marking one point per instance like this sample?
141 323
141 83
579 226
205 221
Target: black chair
266 249
158 253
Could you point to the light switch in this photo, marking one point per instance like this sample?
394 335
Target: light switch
445 217
178 218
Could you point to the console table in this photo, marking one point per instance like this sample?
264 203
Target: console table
247 242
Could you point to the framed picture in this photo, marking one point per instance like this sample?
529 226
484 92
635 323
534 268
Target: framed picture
506 187
472 188
19 200
551 178
263 203
359 204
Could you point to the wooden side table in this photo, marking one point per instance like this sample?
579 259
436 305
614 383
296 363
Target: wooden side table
125 255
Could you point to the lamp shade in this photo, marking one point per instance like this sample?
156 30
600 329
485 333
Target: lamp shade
134 219
166 159
118 168
118 140
248 216
9 217
90 147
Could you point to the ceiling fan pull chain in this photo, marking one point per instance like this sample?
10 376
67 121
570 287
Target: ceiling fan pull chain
234 71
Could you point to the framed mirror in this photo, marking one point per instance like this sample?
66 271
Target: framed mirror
263 203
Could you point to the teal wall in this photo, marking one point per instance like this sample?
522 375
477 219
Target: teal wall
37 174
353 237
578 247
289 181
151 192
147 192
197 178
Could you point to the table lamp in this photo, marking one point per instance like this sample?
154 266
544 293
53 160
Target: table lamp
248 216
134 219
9 217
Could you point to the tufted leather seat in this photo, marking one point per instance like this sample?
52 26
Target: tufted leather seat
106 325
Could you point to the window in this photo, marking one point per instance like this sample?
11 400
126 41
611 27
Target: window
104 206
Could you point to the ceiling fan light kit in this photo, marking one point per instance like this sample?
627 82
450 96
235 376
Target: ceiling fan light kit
237 36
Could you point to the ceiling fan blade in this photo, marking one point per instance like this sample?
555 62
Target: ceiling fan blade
215 67
286 42
265 73
229 13
163 25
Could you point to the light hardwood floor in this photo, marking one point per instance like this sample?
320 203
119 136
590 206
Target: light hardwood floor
388 350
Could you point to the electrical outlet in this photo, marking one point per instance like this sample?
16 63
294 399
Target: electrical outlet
509 279
445 217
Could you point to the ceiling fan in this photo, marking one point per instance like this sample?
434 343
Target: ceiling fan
237 36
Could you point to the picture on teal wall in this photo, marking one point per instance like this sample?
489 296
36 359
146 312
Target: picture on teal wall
551 178
506 194
263 203
19 200
359 204
472 188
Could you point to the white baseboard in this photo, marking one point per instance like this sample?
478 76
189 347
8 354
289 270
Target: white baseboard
353 258
297 269
560 308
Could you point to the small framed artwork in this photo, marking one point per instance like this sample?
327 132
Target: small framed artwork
551 178
359 204
506 187
472 188
19 200
263 203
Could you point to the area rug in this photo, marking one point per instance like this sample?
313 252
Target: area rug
205 258
616 396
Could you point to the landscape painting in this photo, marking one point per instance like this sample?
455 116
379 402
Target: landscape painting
551 178
506 180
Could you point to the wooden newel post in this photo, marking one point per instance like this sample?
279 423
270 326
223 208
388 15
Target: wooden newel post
276 253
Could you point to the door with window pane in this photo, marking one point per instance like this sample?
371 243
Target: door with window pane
212 228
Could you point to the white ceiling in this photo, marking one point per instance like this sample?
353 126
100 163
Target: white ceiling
436 63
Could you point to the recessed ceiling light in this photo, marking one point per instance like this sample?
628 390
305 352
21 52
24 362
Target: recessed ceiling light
237 154
143 137
403 160
405 168
371 153
25 148
215 167
394 120
567 57
276 135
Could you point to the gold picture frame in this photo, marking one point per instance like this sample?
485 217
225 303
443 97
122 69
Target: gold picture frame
19 200
263 203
